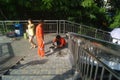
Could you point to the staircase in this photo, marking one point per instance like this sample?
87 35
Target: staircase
53 67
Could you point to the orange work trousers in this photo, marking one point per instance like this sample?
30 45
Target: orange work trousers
41 51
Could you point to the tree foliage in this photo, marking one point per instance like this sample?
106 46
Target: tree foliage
116 22
89 12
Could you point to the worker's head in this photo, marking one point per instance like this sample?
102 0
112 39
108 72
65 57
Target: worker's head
58 37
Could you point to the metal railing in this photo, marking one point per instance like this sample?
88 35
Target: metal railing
7 26
92 60
59 26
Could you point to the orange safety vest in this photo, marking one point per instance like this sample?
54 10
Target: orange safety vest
61 41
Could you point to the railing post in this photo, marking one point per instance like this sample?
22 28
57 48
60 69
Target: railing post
80 29
4 26
96 33
64 27
57 26
1 50
76 58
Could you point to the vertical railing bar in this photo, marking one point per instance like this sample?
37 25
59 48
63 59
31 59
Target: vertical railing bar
85 65
1 52
67 27
82 64
96 33
88 65
71 29
64 27
77 52
57 26
101 77
91 71
60 26
66 30
74 28
3 26
80 29
96 70
80 59
103 38
110 76
73 49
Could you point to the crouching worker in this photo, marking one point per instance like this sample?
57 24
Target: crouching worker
59 42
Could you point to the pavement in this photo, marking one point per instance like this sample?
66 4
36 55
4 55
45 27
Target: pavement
54 66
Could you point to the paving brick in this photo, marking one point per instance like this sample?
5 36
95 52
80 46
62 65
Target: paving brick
45 77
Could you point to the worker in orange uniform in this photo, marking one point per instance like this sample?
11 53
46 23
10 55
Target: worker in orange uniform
40 39
59 42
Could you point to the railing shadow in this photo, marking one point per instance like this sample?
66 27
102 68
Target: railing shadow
67 75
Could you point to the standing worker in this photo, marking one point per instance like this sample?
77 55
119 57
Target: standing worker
40 39
31 33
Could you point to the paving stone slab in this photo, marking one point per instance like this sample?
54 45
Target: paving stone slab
37 77
39 71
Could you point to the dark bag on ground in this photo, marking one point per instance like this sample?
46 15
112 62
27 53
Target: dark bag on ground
11 34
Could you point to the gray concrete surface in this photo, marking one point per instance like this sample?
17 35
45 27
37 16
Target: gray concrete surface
52 67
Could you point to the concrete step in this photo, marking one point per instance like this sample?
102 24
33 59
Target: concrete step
45 63
37 66
37 77
41 71
10 62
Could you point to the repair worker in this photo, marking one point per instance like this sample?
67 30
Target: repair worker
59 42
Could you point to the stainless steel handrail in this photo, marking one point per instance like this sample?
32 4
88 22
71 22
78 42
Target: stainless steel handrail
90 61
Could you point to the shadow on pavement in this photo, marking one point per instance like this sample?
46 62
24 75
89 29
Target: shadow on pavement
57 50
35 62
